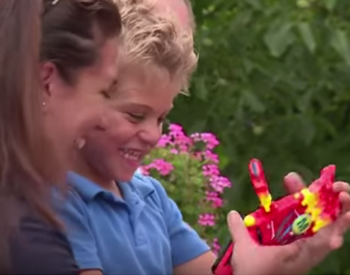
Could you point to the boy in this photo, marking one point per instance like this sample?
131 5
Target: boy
119 223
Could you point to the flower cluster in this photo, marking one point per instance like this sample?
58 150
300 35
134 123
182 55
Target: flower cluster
188 168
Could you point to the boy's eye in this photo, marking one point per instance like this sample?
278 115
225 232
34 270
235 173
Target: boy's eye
137 117
161 120
106 94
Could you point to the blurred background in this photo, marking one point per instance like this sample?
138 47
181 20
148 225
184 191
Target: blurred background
273 83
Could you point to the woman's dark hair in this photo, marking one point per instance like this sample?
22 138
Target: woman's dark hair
73 31
68 33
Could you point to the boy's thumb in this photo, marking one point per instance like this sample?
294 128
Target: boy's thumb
238 230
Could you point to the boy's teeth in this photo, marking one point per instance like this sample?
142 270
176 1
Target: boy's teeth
130 154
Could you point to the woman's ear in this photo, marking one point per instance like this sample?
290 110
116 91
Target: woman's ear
48 73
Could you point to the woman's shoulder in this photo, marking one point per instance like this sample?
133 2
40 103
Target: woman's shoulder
38 247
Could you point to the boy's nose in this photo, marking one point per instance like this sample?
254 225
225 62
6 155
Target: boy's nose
151 135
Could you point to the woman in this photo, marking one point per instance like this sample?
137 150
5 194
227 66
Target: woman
78 50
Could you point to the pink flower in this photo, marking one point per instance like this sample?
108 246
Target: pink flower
210 140
216 246
164 141
143 171
211 156
177 137
196 137
183 148
163 167
198 155
182 141
176 128
174 151
217 202
206 220
210 170
219 183
176 132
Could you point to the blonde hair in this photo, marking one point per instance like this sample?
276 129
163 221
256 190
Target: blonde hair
153 38
191 15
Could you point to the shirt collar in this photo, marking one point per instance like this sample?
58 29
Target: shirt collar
142 184
85 187
88 190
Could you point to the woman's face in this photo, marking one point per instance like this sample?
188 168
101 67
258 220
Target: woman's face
72 110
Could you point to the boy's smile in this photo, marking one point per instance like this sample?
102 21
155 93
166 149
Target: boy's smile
141 102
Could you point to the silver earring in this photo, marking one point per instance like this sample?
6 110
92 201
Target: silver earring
79 143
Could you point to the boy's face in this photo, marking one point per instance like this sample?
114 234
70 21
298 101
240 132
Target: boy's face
141 103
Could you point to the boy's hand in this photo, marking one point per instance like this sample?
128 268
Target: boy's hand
293 183
334 232
296 258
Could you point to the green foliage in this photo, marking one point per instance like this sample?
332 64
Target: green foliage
273 83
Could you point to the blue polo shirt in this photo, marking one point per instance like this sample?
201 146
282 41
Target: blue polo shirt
141 234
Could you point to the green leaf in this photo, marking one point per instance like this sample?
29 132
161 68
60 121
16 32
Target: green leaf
307 36
306 130
201 88
224 159
258 130
189 210
253 101
258 5
330 4
341 44
278 38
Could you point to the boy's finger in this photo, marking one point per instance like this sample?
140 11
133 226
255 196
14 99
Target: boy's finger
342 224
344 198
341 186
293 183
238 230
336 242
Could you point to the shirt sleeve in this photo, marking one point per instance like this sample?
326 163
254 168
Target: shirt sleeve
72 211
38 248
186 244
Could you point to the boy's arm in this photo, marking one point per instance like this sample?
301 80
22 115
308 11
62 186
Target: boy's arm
73 213
200 265
190 254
